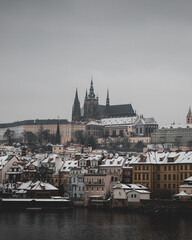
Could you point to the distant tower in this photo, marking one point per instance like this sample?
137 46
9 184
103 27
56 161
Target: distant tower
91 105
107 111
107 99
189 117
58 137
76 111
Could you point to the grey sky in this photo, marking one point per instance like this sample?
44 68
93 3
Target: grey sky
140 50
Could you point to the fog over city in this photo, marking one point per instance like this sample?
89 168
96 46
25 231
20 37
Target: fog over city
140 50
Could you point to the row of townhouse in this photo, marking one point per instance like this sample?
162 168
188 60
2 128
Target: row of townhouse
97 174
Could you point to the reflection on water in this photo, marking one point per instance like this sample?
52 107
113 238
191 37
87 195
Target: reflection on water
93 224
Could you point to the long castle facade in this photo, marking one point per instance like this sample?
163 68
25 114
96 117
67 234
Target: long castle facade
92 110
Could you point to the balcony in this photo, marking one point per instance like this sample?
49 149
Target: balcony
94 184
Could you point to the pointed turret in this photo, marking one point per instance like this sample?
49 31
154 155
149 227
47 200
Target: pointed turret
86 94
76 111
91 91
189 113
58 137
107 99
76 97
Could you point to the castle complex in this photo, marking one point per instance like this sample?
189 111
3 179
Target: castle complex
92 110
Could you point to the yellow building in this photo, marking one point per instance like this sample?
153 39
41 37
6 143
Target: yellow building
162 173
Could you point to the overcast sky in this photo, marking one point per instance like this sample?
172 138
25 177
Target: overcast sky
141 50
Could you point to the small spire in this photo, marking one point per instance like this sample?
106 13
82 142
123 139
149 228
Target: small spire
76 97
189 113
91 91
86 94
107 100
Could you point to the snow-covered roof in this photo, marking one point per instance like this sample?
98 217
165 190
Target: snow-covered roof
4 160
121 185
114 162
24 185
182 194
68 165
188 179
36 186
130 187
50 159
175 125
154 157
94 123
118 121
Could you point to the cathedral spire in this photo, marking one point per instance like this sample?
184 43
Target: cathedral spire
91 91
76 111
107 100
86 94
76 97
189 113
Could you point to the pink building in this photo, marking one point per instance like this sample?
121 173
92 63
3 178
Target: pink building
97 188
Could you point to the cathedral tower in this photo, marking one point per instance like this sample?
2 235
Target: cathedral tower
76 111
91 105
189 117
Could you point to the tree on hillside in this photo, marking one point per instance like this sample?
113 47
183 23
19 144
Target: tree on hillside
30 137
40 135
46 136
79 137
8 136
139 146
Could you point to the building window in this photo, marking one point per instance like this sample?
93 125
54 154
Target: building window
143 176
143 167
173 176
185 167
169 177
165 177
173 168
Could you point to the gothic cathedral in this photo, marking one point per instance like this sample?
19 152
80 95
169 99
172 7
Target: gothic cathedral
93 111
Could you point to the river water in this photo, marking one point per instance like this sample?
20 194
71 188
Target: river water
93 224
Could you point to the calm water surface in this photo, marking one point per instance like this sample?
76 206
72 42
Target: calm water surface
86 224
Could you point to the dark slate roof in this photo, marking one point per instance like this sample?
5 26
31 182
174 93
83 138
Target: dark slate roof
102 109
34 122
124 109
